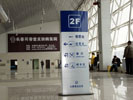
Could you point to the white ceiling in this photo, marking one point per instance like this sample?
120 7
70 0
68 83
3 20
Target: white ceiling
29 12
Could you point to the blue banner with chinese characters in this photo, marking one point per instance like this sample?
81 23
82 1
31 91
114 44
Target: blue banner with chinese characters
74 52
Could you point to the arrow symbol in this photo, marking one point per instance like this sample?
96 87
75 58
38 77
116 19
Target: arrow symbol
70 36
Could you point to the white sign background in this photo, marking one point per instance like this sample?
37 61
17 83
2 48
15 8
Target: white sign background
75 70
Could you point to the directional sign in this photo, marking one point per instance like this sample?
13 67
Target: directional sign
74 46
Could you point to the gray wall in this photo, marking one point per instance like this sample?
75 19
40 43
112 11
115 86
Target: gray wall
50 27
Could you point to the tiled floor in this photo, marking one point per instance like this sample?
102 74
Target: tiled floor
46 85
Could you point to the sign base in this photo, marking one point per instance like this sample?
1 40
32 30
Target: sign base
60 94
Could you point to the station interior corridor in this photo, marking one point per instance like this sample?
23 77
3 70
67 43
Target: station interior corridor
46 85
64 33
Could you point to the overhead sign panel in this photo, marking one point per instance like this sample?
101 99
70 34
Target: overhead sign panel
33 42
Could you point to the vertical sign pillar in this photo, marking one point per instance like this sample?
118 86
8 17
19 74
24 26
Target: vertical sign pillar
74 52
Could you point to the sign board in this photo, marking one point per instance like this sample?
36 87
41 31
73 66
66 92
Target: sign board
33 42
74 52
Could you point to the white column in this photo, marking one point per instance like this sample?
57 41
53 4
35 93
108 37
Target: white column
104 33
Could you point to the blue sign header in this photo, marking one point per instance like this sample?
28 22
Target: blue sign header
74 21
